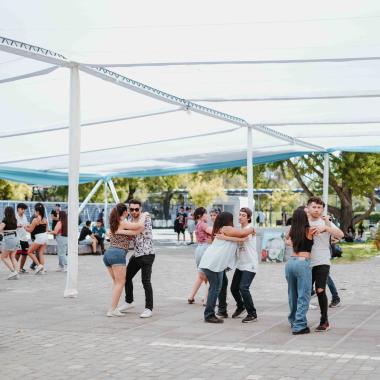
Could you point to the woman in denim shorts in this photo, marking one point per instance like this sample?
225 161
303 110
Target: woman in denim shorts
11 242
115 258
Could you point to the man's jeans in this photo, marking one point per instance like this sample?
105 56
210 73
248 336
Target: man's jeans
134 265
333 290
222 297
240 290
298 276
215 279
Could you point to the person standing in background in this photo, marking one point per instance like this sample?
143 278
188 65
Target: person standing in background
8 227
55 215
60 232
22 222
190 224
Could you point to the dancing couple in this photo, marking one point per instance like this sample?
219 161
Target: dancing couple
230 248
122 231
309 264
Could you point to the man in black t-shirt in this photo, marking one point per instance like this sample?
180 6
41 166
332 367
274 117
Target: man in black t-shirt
180 224
84 240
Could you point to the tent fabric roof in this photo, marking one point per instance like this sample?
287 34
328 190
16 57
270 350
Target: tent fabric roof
151 84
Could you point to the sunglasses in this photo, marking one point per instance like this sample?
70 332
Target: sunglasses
131 209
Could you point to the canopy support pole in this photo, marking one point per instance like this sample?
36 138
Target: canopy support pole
105 214
90 195
251 201
113 191
73 202
326 170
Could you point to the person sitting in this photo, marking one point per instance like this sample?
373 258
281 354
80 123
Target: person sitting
99 233
86 236
349 237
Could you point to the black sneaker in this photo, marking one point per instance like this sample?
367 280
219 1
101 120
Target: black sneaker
306 330
334 303
323 327
249 318
238 312
214 319
221 314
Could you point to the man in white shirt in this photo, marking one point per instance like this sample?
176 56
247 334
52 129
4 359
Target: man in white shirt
246 268
320 255
22 222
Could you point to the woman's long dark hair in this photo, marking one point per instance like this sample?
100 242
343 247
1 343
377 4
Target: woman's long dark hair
10 218
63 220
115 215
223 219
199 212
40 209
298 230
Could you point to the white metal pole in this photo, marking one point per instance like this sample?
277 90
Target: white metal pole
105 214
251 202
71 289
113 191
326 170
90 195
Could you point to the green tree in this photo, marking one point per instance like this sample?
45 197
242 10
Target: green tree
166 187
15 191
285 200
203 193
351 175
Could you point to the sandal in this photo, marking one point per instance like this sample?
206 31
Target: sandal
190 301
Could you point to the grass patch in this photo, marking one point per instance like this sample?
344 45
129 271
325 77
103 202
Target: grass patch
357 251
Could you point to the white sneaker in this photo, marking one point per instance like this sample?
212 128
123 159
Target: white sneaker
114 313
125 306
65 268
313 307
60 269
39 268
13 276
147 313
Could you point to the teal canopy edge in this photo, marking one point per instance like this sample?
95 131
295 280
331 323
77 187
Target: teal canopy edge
41 177
206 167
46 177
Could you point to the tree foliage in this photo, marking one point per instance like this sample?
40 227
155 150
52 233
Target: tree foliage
351 174
204 193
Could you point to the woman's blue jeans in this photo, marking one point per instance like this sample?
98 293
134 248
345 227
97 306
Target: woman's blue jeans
298 276
215 279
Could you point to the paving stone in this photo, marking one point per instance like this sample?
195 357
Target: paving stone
48 336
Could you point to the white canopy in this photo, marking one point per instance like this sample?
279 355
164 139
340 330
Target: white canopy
155 88
311 75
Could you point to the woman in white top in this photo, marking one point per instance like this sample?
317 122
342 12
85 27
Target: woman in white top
246 267
38 229
219 256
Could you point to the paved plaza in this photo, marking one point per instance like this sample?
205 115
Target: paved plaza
44 336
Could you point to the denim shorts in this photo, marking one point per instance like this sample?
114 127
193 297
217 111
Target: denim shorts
11 242
115 256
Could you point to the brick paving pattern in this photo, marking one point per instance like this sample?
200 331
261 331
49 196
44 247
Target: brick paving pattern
44 335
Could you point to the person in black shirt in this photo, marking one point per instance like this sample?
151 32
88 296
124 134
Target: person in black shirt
83 240
180 224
